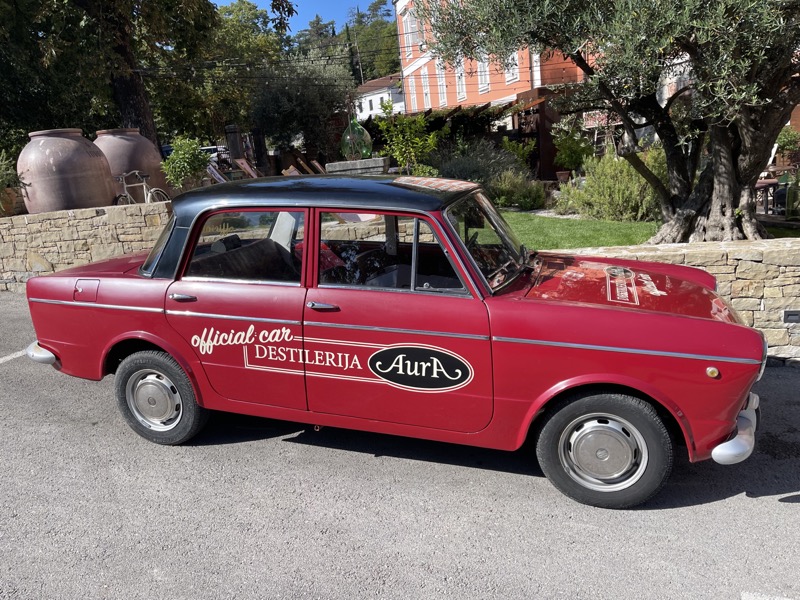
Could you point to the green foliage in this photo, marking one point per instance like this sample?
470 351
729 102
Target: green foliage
473 160
512 188
572 146
425 171
788 141
8 172
369 38
521 150
612 190
187 161
300 98
406 139
217 88
716 76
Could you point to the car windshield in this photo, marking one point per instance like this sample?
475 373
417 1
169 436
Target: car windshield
489 240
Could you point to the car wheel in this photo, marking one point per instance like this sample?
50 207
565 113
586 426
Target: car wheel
607 450
156 398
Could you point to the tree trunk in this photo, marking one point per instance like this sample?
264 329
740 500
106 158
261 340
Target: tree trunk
127 87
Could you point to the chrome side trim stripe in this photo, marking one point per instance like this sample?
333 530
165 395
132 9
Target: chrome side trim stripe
189 313
461 336
730 359
96 305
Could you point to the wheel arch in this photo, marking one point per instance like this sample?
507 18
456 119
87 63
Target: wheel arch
121 348
676 426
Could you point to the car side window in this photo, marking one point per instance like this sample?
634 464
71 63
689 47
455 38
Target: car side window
258 245
384 251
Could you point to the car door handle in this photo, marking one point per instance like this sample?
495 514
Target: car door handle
321 306
182 298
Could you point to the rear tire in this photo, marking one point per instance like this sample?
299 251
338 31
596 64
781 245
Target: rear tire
156 398
158 195
605 450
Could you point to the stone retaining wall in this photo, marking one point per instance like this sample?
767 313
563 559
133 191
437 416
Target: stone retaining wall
761 279
31 245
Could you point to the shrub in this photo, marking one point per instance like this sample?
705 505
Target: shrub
476 160
521 150
572 148
425 171
187 161
788 142
512 188
612 190
406 138
8 172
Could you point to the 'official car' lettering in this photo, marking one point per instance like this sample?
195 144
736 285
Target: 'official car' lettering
211 338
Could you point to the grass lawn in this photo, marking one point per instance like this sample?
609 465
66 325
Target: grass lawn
543 233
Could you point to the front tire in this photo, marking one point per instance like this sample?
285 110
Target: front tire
156 398
606 450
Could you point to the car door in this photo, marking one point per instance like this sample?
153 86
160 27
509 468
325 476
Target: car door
392 333
239 304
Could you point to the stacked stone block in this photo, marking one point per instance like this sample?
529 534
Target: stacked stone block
32 245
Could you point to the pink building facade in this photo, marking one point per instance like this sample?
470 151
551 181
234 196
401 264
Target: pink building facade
430 84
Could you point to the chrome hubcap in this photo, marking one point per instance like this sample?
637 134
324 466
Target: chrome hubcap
603 452
154 400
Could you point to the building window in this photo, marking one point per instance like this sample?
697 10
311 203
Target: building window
426 89
440 77
461 81
407 35
412 93
411 34
483 75
370 105
512 68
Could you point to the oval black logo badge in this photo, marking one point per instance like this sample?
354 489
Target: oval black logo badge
421 368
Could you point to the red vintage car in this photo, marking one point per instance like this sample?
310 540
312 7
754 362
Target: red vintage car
407 306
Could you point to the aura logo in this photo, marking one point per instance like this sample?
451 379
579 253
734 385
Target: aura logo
421 368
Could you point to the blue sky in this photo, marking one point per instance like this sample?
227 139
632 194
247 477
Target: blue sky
329 10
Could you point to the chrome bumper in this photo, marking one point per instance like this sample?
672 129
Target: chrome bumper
740 447
38 354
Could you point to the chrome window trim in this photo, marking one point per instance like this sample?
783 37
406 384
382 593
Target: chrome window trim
463 293
463 336
665 353
189 313
198 279
96 305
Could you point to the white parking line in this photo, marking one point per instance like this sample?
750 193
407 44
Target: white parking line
12 356
749 596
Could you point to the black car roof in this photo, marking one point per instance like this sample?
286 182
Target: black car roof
377 192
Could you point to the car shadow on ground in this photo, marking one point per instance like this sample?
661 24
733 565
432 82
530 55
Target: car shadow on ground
228 428
772 471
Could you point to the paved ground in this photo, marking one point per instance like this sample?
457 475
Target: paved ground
266 509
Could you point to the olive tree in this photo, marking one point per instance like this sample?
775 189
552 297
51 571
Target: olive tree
734 67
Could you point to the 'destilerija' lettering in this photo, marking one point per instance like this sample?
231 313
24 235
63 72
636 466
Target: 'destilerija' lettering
339 360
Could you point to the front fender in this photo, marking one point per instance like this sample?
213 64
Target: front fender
596 381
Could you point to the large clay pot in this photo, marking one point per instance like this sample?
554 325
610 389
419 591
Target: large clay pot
126 151
63 170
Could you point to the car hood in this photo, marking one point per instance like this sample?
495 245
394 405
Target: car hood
634 285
